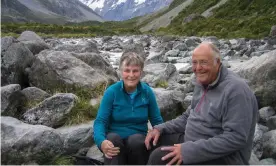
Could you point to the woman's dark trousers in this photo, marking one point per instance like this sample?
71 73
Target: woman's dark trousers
132 150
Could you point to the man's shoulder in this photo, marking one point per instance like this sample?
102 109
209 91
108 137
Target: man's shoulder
236 84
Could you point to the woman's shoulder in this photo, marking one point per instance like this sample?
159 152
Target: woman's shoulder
145 86
114 87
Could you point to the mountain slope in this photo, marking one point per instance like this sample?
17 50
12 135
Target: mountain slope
46 11
221 18
118 10
164 20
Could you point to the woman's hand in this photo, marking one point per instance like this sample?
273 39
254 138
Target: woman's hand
109 150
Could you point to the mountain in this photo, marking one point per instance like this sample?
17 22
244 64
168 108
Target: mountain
118 10
220 18
46 11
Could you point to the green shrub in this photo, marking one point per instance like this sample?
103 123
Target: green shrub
83 111
62 160
162 84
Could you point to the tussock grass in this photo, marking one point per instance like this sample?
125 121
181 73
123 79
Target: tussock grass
83 111
162 84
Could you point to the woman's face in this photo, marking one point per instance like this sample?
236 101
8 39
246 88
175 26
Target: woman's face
131 76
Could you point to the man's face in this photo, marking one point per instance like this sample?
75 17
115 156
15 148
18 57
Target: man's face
205 66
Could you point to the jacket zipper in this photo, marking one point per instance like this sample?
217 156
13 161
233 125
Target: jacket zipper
201 100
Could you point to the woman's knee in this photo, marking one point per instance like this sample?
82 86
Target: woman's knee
136 141
115 139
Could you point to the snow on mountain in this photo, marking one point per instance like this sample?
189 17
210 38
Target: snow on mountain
124 9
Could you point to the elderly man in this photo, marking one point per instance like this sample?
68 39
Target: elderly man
217 128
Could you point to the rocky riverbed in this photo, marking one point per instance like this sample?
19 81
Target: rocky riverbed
32 65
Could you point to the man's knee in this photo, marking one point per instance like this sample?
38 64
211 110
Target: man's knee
156 157
115 139
136 141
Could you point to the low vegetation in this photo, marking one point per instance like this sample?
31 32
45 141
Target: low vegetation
235 19
162 84
87 29
62 160
83 111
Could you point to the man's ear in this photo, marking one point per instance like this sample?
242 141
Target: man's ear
218 60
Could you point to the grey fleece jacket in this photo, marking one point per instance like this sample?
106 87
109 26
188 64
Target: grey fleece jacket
220 122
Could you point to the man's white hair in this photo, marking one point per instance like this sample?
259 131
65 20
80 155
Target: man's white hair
215 50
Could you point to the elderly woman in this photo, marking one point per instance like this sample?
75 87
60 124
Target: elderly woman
121 126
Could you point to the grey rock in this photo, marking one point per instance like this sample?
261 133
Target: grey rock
271 123
170 102
137 48
76 137
29 36
154 73
11 100
265 113
14 61
35 94
61 70
267 161
257 141
99 64
22 143
6 42
186 70
52 111
253 159
260 71
269 144
86 46
95 153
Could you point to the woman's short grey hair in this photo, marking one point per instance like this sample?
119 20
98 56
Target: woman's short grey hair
131 58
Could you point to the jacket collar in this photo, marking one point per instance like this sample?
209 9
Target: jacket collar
140 86
223 71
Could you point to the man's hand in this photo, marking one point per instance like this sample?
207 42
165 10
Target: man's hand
152 134
109 150
175 154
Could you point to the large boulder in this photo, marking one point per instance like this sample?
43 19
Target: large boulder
15 58
160 72
271 123
257 141
34 94
76 137
86 46
100 64
269 144
261 74
52 111
170 102
23 143
6 42
33 42
265 114
137 48
11 100
56 70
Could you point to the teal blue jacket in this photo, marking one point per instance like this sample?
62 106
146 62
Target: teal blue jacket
119 114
